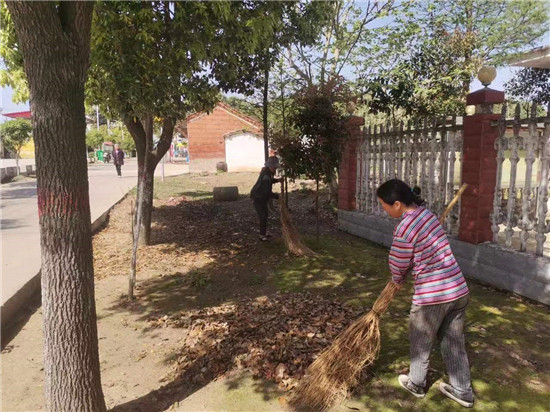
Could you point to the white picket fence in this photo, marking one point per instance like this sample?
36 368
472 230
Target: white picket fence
520 218
424 153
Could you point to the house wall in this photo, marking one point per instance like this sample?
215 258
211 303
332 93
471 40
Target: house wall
206 138
244 152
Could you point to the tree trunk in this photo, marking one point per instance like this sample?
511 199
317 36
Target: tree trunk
286 191
265 103
333 188
136 223
54 39
17 162
148 186
148 159
317 209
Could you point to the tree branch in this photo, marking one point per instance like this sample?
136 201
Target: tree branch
365 21
300 72
165 140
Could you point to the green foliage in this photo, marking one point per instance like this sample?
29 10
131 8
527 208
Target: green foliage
96 137
12 75
167 59
118 134
531 85
429 82
498 28
121 136
350 38
438 47
317 132
15 134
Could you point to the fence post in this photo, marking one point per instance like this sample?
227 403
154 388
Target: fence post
348 165
479 167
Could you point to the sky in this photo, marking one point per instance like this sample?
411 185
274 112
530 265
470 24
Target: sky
503 75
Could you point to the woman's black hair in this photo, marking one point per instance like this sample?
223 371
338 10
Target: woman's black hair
395 189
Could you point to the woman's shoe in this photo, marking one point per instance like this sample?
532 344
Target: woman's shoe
410 387
450 392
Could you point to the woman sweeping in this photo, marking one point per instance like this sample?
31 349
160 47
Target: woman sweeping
420 247
262 192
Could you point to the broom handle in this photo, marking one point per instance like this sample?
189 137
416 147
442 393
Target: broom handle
453 202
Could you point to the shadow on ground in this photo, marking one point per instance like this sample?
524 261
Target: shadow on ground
233 308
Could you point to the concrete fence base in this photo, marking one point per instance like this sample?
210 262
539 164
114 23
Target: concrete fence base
517 272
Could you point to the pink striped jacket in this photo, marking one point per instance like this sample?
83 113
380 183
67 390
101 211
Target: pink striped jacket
420 244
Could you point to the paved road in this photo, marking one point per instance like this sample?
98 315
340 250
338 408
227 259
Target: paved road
19 233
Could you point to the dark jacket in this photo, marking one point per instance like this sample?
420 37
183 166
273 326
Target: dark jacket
118 157
262 191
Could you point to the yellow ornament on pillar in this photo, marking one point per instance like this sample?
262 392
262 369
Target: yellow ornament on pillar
486 75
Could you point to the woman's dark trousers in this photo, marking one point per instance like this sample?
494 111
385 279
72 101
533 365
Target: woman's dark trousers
261 209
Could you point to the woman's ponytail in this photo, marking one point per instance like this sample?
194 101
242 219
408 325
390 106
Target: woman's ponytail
416 196
396 190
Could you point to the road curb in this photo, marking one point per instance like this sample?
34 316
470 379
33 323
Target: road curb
15 310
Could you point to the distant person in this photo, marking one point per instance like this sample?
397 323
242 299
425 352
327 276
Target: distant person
118 159
262 192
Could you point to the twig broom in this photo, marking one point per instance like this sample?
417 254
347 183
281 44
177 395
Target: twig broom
290 233
330 376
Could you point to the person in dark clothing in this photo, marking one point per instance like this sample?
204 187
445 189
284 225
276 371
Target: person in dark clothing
262 192
118 159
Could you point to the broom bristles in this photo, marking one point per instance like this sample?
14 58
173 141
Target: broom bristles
290 233
329 377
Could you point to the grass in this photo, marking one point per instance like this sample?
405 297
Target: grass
507 337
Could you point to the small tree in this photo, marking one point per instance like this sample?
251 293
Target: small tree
15 134
95 138
318 121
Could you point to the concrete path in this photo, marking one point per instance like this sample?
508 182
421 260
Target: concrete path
19 232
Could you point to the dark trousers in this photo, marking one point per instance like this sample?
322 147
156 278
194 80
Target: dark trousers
261 209
118 169
443 323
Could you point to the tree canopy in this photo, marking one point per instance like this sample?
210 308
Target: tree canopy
530 85
436 48
15 134
12 75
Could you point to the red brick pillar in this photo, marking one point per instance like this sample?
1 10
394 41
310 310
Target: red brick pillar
348 165
479 167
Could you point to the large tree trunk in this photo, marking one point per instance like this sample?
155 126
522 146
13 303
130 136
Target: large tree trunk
54 39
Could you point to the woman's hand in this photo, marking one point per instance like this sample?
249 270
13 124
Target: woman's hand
398 285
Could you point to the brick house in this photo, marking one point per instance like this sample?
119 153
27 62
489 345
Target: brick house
224 135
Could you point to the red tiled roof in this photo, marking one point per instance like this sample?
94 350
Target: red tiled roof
15 115
231 110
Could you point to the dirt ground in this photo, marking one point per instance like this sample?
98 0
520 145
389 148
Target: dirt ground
222 322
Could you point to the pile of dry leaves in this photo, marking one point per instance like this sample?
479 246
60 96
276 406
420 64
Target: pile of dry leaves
275 338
